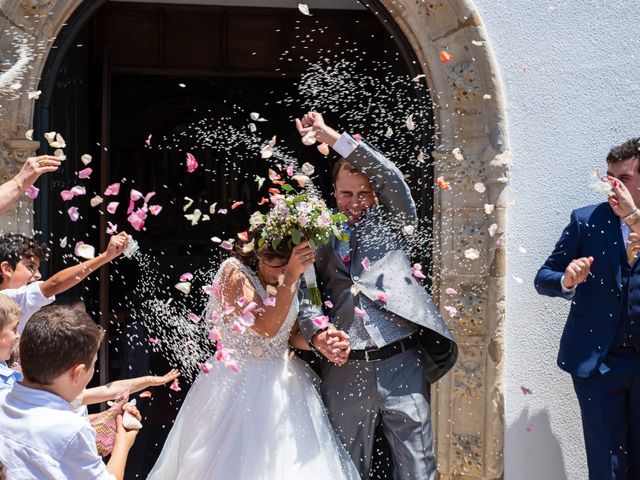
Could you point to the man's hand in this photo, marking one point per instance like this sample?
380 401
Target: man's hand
312 125
116 245
577 271
620 198
333 344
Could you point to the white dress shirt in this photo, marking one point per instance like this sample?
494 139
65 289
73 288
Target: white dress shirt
42 438
30 299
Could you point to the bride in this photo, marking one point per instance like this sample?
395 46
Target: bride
262 418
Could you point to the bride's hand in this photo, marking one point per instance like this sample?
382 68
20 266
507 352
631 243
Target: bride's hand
302 257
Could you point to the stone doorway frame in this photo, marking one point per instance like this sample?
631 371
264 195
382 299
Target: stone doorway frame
471 154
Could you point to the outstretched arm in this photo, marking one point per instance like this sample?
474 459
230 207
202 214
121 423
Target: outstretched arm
109 391
11 191
70 277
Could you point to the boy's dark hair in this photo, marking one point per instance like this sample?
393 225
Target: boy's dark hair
15 246
625 151
56 339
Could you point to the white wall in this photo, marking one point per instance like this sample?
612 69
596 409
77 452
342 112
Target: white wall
579 95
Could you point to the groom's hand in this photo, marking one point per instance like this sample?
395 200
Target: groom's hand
333 344
577 271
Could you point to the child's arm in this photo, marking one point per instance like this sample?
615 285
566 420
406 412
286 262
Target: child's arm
109 391
297 340
124 442
70 277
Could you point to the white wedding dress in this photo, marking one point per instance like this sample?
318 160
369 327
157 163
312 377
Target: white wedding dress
265 421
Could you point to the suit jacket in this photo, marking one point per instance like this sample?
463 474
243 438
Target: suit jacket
378 237
596 308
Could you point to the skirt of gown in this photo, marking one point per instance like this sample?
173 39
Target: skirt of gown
267 421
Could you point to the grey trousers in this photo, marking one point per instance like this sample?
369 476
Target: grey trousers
394 392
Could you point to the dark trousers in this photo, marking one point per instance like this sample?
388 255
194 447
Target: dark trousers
610 406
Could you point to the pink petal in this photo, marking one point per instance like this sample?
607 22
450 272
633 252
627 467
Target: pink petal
417 272
84 173
148 140
145 394
270 301
112 189
328 304
186 277
452 311
192 163
78 190
155 209
215 318
73 214
111 208
321 322
237 327
359 312
525 391
149 196
131 207
222 211
226 245
290 170
451 291
205 368
153 341
32 192
175 386
221 354
236 205
67 195
247 319
365 264
111 228
232 364
249 308
229 309
194 318
136 222
383 297
208 289
242 301
530 428
135 195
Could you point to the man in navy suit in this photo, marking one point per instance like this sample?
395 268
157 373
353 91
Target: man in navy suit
600 344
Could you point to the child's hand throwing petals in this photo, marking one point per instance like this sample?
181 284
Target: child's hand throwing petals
155 380
116 246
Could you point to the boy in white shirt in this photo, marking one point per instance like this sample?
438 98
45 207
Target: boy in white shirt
9 317
41 436
20 258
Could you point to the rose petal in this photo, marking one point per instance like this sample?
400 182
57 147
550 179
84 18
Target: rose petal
153 341
445 57
112 207
193 317
78 190
145 394
112 189
451 291
304 9
67 195
236 205
192 163
205 368
175 386
382 297
135 195
186 277
84 250
366 264
95 201
184 287
32 192
73 214
111 228
525 390
86 159
155 209
359 312
290 170
328 304
452 311
321 322
323 148
84 173
270 301
227 245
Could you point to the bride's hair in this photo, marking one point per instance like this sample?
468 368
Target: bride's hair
267 252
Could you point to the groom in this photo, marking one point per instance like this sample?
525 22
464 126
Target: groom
399 342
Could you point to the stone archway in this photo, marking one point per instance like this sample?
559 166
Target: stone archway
472 155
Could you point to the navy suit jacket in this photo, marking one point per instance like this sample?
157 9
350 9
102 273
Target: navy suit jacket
596 308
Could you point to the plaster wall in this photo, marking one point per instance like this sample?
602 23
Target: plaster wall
571 90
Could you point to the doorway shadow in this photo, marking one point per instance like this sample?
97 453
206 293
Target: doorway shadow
532 449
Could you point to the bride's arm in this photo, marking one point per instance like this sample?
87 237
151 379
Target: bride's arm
267 319
296 340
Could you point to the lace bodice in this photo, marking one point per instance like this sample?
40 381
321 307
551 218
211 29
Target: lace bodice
247 344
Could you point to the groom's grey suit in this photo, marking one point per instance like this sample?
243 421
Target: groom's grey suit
395 390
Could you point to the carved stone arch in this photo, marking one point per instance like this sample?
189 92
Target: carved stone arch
469 219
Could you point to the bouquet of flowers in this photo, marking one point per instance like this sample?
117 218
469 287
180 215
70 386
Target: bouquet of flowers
296 217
